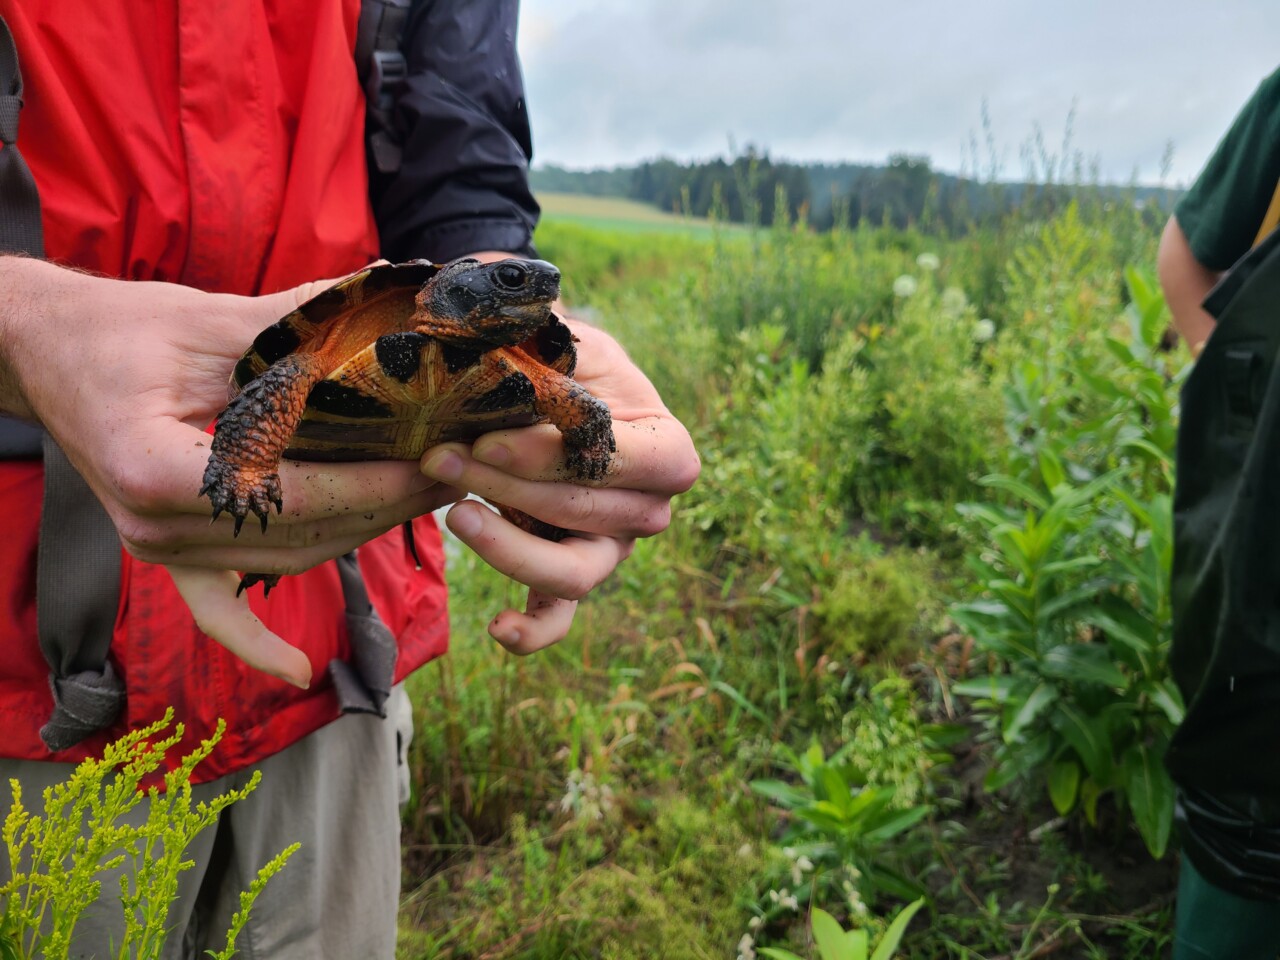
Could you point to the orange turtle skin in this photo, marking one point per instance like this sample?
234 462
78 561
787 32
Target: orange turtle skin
394 360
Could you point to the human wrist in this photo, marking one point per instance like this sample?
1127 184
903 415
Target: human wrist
15 274
30 293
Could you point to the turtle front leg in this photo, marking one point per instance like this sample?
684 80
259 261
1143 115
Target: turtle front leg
250 438
584 421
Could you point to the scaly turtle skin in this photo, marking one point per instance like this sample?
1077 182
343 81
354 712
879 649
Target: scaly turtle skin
395 359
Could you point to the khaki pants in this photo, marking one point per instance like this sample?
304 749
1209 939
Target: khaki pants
336 792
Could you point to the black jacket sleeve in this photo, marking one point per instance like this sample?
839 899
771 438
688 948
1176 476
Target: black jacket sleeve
463 183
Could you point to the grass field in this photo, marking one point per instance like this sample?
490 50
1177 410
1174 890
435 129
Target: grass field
616 213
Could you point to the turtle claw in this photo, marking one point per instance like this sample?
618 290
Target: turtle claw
248 580
241 492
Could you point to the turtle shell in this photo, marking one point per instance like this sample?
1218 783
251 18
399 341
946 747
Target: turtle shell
397 393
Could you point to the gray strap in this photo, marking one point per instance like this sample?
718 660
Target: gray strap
77 595
364 684
20 227
78 559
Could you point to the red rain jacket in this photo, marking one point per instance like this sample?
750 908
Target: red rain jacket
219 146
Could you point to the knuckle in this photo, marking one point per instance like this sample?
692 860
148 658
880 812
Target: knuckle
576 585
653 521
144 539
687 472
138 488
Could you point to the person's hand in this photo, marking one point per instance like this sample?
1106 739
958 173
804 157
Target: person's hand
525 469
126 376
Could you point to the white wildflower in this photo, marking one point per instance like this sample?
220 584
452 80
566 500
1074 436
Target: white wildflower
755 923
904 286
745 850
799 867
790 902
954 301
747 947
928 261
584 797
984 330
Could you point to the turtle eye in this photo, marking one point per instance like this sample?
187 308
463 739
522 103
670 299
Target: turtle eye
510 276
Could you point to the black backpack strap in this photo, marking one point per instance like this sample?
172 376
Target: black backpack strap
383 70
78 559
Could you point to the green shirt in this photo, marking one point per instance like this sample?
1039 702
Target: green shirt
1223 210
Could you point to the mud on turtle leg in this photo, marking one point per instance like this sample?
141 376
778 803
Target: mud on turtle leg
250 438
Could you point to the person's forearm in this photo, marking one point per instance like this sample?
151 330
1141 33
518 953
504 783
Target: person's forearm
1186 282
23 283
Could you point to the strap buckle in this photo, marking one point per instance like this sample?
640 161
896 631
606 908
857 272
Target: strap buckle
388 71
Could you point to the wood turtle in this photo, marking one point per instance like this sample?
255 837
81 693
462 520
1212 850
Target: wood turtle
393 360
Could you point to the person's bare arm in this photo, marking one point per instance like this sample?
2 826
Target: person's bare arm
1186 282
126 376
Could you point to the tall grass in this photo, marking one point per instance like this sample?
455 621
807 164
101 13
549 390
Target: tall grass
847 391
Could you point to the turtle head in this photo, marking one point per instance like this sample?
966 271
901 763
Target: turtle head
492 304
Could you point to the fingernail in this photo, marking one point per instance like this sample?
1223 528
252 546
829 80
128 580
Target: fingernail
494 454
465 522
446 466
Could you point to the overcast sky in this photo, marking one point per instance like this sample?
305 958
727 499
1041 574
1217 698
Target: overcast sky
618 81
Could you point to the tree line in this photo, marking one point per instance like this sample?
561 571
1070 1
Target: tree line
752 187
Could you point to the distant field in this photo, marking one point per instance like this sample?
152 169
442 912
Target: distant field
616 213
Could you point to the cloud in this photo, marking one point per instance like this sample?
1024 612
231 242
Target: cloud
616 82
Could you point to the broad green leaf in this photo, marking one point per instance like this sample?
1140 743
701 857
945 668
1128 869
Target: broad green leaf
1166 696
1068 566
869 801
1149 448
1089 738
989 688
834 788
1064 785
1090 792
1137 633
1051 470
1064 605
893 936
896 824
1083 663
777 953
1023 491
1041 697
825 815
780 792
1150 797
829 936
857 942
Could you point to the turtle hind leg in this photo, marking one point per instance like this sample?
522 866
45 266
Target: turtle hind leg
250 438
539 528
